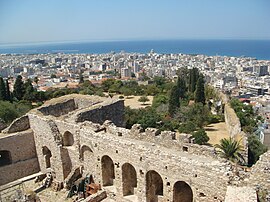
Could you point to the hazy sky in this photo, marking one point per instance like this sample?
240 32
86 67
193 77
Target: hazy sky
76 20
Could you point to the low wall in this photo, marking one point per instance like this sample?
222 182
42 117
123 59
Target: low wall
18 170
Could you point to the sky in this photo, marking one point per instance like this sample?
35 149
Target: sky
27 21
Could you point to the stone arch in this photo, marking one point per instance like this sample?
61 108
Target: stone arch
107 168
68 139
5 158
129 179
182 192
154 186
47 155
86 153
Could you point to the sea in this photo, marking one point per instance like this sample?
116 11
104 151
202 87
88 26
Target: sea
259 49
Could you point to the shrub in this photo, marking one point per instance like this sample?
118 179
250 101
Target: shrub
255 149
200 137
187 127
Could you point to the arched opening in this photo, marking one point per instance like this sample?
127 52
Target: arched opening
47 155
107 167
154 186
5 158
68 139
182 192
66 162
129 179
86 153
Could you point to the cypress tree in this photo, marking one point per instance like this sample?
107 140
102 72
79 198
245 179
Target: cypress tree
174 102
8 96
81 80
199 93
29 91
2 89
181 85
18 91
193 77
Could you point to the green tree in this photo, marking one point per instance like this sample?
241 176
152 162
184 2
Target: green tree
231 150
159 82
105 85
152 90
174 102
255 149
193 77
143 99
81 80
53 76
196 113
36 80
159 100
30 93
116 86
3 92
7 112
19 89
199 93
8 95
200 137
181 85
187 127
127 92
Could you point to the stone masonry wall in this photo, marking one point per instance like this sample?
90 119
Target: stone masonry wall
23 154
113 111
260 173
172 164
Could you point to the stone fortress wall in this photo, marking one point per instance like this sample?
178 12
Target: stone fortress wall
18 156
71 135
233 125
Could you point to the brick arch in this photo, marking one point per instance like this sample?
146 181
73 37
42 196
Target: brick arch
5 157
154 186
182 192
129 179
107 167
68 139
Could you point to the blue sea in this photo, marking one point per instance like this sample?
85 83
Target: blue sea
259 49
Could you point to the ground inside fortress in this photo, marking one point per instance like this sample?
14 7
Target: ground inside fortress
216 132
133 103
45 195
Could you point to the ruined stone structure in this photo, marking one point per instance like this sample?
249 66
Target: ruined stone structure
78 134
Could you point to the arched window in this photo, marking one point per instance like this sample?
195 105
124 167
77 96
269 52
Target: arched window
47 155
107 171
154 186
86 153
68 139
129 179
182 192
5 158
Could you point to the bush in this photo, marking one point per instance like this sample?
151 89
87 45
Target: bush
214 118
255 149
121 97
187 127
200 137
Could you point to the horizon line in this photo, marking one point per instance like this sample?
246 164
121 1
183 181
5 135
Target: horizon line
3 44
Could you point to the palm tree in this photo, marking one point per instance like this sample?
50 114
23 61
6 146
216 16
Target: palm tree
231 150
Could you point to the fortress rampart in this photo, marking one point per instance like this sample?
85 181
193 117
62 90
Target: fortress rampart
131 165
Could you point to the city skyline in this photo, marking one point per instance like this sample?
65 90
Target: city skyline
36 21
